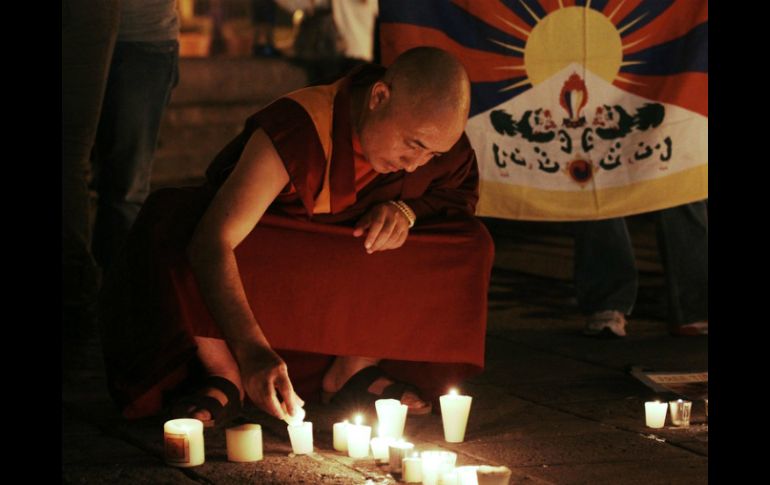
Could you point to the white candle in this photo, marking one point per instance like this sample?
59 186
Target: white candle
341 436
396 453
655 414
380 447
493 475
680 412
358 439
412 470
301 437
183 442
391 415
466 475
244 443
449 478
436 463
454 415
293 419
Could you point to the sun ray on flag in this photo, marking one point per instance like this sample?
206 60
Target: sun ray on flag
636 42
631 24
514 86
622 79
515 27
534 16
620 5
508 46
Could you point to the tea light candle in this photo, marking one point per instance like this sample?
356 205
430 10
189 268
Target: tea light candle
454 415
449 478
341 436
493 475
391 415
396 453
412 469
655 413
244 443
380 446
183 442
301 437
293 419
435 464
680 412
358 439
466 475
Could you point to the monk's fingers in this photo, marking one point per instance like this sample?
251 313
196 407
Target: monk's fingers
374 231
285 389
386 234
270 402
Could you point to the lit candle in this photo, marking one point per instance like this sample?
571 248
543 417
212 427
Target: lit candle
396 453
412 469
655 413
680 412
301 437
341 436
244 443
454 415
380 446
466 475
493 475
435 464
391 415
358 439
183 442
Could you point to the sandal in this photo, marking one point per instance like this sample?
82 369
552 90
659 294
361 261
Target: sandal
355 395
221 414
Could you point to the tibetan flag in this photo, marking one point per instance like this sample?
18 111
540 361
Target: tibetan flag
581 109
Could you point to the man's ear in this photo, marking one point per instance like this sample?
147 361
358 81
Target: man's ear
379 95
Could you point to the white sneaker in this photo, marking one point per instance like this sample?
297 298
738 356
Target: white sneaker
607 323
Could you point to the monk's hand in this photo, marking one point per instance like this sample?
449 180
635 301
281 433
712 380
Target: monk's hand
385 226
265 379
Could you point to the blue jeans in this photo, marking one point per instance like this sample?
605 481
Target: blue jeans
605 271
142 75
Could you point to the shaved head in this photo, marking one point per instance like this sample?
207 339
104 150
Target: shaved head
430 78
416 112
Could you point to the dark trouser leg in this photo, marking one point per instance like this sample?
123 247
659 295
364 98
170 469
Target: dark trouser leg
141 77
89 30
683 245
605 271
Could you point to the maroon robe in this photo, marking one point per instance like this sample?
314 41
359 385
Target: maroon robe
312 286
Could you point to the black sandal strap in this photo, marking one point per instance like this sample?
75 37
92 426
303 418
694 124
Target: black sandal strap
226 386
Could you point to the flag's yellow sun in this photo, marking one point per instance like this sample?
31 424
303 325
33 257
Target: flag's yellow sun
573 34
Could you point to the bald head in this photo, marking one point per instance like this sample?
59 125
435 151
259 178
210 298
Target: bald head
428 78
416 112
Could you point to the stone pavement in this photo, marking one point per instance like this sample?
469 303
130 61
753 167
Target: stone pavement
553 406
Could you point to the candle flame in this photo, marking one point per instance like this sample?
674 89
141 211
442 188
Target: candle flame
358 419
453 392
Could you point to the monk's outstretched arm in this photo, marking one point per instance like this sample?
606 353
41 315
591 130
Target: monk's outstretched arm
237 207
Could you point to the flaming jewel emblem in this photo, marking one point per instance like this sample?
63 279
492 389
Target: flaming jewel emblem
573 99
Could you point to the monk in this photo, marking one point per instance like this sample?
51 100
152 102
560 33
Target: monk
333 242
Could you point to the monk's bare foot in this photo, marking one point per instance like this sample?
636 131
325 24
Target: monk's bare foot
343 368
217 361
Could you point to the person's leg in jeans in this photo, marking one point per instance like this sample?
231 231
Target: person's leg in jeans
606 278
89 30
683 243
141 78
